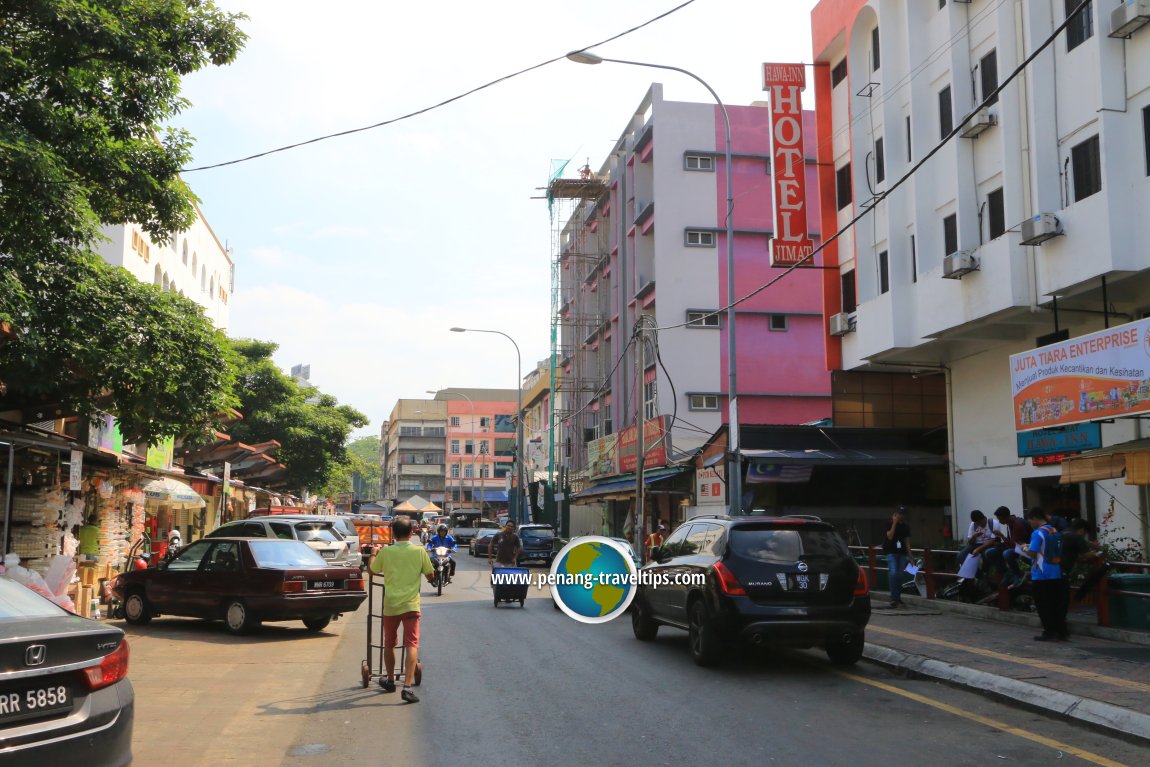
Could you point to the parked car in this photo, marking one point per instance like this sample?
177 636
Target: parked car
465 534
768 581
344 525
538 543
320 535
64 687
243 581
481 543
626 544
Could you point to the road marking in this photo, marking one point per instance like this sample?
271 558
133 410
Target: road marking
1057 668
1051 743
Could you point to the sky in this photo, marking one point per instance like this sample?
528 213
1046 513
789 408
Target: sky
358 254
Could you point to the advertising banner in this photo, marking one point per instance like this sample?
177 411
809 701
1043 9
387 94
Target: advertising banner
710 489
790 243
655 436
75 471
603 456
161 454
1101 375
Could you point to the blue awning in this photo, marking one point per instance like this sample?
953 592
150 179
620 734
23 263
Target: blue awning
627 483
490 494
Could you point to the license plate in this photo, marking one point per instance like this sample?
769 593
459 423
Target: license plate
323 584
328 554
801 582
28 702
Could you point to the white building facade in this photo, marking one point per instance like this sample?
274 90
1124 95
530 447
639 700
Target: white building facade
194 263
935 279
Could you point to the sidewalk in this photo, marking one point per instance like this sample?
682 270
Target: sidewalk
1104 682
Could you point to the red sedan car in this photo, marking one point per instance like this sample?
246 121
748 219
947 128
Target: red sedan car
243 581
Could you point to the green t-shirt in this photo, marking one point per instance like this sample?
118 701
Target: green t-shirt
403 565
89 539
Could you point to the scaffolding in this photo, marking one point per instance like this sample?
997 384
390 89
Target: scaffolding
578 257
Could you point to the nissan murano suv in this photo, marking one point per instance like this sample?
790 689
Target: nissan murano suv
778 581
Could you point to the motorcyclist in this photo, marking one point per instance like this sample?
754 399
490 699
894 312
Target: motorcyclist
441 538
175 543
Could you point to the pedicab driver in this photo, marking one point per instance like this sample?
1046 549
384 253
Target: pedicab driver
401 565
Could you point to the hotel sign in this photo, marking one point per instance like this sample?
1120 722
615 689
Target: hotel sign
790 243
1069 439
1101 375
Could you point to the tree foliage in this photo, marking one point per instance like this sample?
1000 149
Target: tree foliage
84 86
361 473
311 427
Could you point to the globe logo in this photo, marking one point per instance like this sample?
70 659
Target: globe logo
593 579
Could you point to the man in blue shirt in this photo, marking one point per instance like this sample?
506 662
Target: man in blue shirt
1051 591
441 538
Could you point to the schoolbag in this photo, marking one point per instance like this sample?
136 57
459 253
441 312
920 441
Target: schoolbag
1052 547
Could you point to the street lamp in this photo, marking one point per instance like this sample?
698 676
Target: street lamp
474 449
734 475
520 491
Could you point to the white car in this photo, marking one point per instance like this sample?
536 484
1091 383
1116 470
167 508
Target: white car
321 536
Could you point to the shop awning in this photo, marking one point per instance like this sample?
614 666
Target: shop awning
846 457
624 486
1130 459
490 494
171 492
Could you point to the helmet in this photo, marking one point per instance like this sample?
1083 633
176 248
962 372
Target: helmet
441 528
174 535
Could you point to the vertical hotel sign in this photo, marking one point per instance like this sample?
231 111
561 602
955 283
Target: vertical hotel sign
785 83
1101 375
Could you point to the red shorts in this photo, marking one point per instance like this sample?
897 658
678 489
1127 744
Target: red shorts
410 623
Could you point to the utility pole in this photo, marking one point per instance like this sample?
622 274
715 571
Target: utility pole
639 447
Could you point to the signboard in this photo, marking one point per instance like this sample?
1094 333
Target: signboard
1077 438
790 243
225 489
710 489
75 469
1101 375
160 454
603 456
655 447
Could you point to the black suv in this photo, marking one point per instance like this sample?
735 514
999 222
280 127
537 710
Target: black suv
788 581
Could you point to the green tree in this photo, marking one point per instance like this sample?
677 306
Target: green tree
84 86
311 427
361 473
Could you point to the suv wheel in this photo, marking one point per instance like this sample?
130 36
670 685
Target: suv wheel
702 638
643 626
846 653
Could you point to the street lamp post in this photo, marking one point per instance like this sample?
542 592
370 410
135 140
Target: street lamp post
734 474
520 491
474 448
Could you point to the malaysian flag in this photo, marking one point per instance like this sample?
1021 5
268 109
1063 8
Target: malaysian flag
759 473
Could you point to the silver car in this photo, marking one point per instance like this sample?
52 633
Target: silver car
321 536
343 525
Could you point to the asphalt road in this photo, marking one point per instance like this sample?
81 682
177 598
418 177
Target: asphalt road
529 686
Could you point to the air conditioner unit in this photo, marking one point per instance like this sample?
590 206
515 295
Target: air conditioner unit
982 120
957 264
841 324
1129 17
1039 229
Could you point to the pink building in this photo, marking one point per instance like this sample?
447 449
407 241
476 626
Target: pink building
480 447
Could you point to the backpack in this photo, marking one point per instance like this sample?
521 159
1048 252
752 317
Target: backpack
1052 547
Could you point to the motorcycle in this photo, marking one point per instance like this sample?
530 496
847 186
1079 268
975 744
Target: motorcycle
442 563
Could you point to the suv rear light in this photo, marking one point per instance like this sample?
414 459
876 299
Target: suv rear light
111 669
296 585
728 583
861 587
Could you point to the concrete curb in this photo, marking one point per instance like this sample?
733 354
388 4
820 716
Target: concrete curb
1095 713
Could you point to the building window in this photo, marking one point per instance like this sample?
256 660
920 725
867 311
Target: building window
839 73
1081 28
455 447
1086 164
913 261
879 162
950 234
455 471
484 447
874 58
778 322
608 424
185 252
848 285
469 471
697 238
1146 136
484 421
485 472
469 448
883 272
650 406
702 319
988 74
945 113
698 162
703 402
454 420
996 213
843 186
